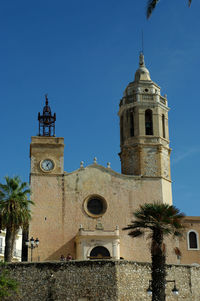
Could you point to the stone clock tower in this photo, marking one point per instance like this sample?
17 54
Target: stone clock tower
46 151
46 154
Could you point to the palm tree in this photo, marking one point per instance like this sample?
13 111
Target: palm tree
14 211
158 220
151 4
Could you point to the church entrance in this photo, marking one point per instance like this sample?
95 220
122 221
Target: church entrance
100 253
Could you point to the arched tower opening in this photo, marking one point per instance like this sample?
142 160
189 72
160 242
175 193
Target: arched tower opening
132 128
122 129
163 126
148 122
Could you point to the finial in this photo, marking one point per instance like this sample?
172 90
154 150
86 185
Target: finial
46 99
142 42
141 60
95 160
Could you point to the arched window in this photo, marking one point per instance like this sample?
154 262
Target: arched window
163 125
131 123
148 122
121 130
193 240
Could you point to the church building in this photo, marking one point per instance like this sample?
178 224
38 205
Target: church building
82 213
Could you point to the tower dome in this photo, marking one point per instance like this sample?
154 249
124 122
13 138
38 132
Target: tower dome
142 72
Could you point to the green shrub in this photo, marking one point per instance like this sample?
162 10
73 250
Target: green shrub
8 286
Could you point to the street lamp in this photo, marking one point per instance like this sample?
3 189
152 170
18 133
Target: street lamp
149 290
174 290
32 245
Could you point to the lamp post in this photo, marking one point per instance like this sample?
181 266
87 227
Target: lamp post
32 245
174 290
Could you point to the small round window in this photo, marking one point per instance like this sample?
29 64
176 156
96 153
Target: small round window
95 206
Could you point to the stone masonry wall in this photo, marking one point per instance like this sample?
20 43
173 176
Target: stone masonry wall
99 281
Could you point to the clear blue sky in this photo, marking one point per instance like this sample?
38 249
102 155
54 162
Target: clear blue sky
83 53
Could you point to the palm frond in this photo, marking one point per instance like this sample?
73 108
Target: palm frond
151 6
159 218
14 203
136 233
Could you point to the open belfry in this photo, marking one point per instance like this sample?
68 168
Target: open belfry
82 213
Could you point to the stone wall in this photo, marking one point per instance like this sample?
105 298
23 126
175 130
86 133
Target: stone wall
99 281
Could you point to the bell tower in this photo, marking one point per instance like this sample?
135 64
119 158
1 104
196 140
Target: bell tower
144 135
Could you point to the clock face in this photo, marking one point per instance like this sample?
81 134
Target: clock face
47 165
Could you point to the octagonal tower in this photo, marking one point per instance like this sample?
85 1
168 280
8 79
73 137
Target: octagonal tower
144 131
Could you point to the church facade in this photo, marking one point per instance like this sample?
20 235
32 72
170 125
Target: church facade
82 213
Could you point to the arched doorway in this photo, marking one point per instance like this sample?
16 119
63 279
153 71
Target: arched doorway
100 252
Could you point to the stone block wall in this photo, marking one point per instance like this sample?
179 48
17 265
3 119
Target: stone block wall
99 281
